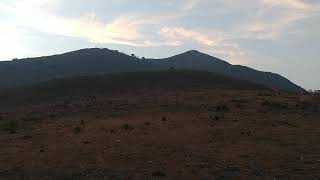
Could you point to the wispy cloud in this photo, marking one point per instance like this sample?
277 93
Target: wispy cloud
275 17
296 4
183 34
190 4
125 30
217 43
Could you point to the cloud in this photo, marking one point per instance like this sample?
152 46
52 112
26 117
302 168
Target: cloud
183 34
217 43
190 4
124 30
295 4
275 17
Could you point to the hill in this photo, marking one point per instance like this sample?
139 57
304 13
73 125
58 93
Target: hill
101 61
198 61
117 83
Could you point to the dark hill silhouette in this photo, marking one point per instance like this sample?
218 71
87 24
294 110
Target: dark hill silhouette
101 61
198 61
106 85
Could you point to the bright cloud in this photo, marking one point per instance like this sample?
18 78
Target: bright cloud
184 34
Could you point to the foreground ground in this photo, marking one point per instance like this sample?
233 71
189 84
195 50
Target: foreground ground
189 134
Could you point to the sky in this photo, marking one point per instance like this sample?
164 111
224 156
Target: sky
280 36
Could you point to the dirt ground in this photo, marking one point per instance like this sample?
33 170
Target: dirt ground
195 134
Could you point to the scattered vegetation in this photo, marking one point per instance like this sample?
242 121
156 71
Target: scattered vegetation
219 108
77 130
114 114
127 127
147 123
305 105
246 133
159 174
112 131
214 118
164 119
236 100
275 105
266 94
11 126
30 118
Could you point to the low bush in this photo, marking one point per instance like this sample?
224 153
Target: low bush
219 108
159 174
10 126
127 127
77 130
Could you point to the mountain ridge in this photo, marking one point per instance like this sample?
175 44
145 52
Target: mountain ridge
94 61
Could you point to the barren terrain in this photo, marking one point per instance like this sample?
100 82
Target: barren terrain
197 132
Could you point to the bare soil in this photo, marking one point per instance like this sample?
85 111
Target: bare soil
186 134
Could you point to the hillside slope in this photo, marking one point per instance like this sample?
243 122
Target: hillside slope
107 85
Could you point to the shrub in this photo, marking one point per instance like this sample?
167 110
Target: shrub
147 123
11 126
219 108
215 118
127 127
77 130
222 108
159 174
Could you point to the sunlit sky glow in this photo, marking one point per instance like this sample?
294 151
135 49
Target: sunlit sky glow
281 36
